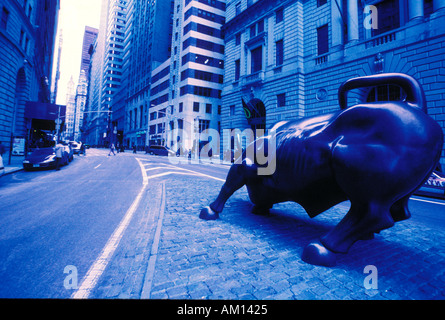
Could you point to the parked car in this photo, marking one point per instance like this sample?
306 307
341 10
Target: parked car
434 186
2 167
160 151
43 158
75 146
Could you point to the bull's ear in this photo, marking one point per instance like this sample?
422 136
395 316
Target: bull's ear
244 103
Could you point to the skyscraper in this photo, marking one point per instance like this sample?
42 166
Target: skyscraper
81 99
94 122
70 109
149 45
106 71
89 37
196 69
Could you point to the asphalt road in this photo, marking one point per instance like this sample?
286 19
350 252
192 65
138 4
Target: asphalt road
53 219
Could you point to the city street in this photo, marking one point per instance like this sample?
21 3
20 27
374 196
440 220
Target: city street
127 226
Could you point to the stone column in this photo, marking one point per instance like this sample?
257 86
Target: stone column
415 9
337 23
438 4
352 16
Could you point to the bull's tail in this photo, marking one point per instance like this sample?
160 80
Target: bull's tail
415 95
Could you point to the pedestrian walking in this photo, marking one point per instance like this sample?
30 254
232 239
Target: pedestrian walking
58 151
112 148
2 149
83 149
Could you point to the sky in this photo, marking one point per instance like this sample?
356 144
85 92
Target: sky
74 15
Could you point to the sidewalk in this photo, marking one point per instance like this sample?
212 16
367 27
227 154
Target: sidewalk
246 256
16 163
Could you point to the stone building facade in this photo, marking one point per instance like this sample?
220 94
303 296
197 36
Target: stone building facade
27 37
286 59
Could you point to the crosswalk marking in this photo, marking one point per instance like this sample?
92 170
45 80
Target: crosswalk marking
171 170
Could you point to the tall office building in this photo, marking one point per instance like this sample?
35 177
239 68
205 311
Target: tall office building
80 100
106 71
70 110
113 61
149 45
27 41
196 70
287 59
57 72
89 36
94 122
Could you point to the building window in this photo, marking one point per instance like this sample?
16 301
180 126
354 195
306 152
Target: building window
5 17
388 17
238 8
281 100
260 26
386 93
279 15
279 52
208 108
256 28
238 39
323 39
181 107
203 125
256 59
321 2
195 106
237 69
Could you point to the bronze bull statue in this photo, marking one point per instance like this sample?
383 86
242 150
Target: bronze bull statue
374 154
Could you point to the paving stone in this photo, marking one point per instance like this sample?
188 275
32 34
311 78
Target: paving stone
245 256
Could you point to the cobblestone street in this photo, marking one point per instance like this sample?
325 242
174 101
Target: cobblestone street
246 256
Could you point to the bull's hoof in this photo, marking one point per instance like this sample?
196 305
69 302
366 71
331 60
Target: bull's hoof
317 254
208 214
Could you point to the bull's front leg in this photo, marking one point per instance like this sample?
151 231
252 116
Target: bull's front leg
236 178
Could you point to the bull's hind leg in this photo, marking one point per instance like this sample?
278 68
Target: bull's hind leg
399 210
236 178
361 221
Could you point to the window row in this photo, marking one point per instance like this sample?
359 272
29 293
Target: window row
200 91
204 14
203 29
202 59
201 75
203 44
213 3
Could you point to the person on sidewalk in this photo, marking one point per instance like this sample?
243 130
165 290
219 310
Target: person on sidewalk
58 151
2 149
83 149
112 149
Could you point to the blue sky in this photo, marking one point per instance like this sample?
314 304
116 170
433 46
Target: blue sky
74 15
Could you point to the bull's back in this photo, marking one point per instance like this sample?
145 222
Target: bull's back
384 150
